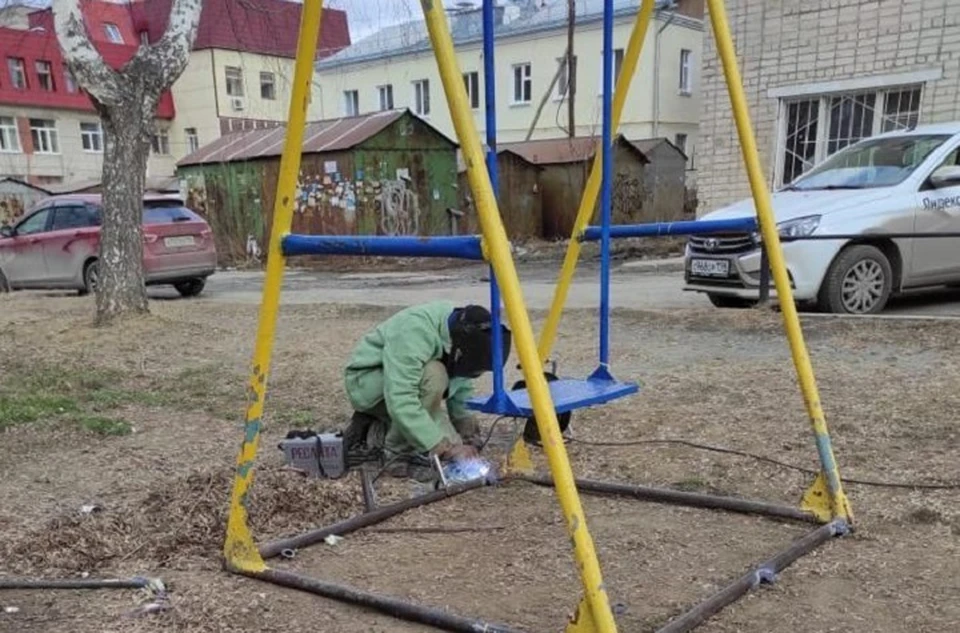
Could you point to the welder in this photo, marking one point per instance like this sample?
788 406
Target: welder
409 380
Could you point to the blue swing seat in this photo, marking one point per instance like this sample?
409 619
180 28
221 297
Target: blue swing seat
567 394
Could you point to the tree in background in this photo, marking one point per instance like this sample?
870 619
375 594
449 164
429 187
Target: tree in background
126 101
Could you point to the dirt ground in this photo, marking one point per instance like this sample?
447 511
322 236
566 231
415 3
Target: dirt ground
143 421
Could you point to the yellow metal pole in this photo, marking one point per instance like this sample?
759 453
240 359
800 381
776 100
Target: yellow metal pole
588 202
239 550
498 249
837 500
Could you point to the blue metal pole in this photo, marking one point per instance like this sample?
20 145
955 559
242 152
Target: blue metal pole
606 183
490 107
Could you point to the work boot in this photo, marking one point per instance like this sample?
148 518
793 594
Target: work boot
356 432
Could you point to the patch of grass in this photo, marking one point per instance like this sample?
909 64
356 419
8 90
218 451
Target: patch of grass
113 398
926 516
24 408
296 418
692 484
105 426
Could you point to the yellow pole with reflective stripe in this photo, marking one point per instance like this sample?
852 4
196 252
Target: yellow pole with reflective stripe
498 251
771 240
239 550
588 202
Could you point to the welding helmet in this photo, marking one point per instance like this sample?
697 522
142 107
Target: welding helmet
471 342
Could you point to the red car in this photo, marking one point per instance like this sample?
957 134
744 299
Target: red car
56 246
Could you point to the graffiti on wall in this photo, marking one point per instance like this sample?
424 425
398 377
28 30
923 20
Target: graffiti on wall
399 208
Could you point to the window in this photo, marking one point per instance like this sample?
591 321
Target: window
45 76
351 103
268 86
421 97
234 78
160 143
69 79
471 82
193 139
91 137
686 83
112 31
385 94
44 135
814 128
680 140
617 67
36 223
18 73
75 217
522 83
9 136
563 81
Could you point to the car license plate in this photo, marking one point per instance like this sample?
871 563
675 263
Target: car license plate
710 267
178 242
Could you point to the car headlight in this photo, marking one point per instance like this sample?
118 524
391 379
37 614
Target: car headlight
801 227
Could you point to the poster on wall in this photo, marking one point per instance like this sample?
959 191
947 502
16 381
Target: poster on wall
330 167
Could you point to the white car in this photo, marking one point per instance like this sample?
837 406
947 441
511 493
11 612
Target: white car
895 183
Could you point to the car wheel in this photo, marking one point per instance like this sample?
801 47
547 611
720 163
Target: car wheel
91 277
190 288
859 281
726 301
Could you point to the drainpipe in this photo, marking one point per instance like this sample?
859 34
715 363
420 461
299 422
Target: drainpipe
656 73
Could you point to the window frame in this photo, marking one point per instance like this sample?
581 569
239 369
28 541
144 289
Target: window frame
421 97
618 57
17 70
70 82
92 134
46 72
10 132
385 97
351 103
193 139
471 81
824 114
685 89
160 142
75 208
47 210
51 134
113 33
522 83
268 80
234 75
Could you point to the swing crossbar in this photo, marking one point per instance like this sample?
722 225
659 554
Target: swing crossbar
453 247
660 229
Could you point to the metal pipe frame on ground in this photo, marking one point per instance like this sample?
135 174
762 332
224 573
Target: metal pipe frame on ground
765 573
75 583
678 497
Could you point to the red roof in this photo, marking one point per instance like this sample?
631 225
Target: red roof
268 27
41 45
97 15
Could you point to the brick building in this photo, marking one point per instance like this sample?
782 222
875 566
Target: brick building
820 75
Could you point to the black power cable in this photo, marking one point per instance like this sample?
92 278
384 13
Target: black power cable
770 460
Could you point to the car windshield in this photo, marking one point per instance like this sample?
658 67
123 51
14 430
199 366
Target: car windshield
168 212
881 162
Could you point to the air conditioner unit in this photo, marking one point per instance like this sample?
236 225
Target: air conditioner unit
237 104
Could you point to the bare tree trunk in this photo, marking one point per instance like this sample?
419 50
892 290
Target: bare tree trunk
571 70
126 100
121 287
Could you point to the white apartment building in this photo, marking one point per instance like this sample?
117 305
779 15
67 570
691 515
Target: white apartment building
820 75
395 68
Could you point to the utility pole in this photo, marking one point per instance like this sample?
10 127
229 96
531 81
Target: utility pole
571 70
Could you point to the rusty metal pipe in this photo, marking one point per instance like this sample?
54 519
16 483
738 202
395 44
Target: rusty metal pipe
677 497
74 583
275 548
765 573
388 605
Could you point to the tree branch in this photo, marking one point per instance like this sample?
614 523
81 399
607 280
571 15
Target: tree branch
169 56
80 55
